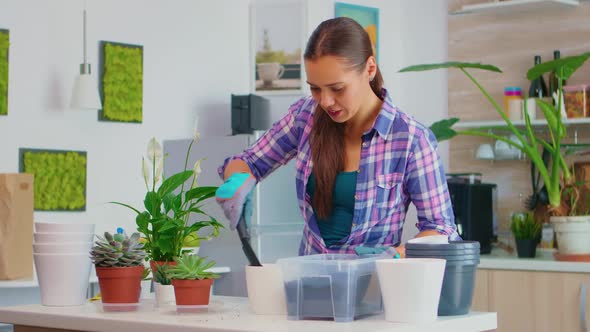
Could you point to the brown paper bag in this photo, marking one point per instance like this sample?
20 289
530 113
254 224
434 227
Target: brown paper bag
16 226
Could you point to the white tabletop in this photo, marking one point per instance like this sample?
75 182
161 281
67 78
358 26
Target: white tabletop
223 314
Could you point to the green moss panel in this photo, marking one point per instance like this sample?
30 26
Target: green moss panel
4 45
60 178
122 82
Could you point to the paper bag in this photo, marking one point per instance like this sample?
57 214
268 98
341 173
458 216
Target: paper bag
16 226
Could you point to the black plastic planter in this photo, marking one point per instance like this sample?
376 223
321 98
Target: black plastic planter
526 248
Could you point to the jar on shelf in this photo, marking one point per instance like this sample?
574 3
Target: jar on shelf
577 100
513 97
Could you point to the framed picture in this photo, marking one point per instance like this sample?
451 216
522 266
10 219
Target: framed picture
60 178
4 46
121 82
277 46
368 17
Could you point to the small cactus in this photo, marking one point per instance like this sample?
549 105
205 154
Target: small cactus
117 250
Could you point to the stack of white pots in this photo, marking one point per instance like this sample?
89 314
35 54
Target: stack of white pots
62 261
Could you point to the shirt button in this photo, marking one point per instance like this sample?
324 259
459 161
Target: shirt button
364 144
353 225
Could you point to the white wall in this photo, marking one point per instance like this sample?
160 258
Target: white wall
192 63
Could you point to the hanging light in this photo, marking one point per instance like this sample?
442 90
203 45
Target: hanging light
85 95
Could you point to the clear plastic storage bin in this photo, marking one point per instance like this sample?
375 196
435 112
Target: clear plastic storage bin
338 286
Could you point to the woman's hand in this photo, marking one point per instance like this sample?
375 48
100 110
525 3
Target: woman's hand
401 250
234 196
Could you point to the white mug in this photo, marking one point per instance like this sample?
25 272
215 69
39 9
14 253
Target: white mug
484 152
270 71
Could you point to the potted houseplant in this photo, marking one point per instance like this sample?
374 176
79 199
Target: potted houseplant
164 223
163 286
526 233
557 177
119 267
191 280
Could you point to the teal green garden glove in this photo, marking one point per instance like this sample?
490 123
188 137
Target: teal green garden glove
235 197
362 250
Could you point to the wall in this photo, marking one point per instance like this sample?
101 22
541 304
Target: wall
508 39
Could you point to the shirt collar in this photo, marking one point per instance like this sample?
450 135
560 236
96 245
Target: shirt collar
385 118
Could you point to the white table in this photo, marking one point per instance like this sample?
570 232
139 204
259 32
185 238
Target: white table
223 314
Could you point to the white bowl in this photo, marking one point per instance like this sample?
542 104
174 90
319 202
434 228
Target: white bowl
434 239
53 227
62 237
62 248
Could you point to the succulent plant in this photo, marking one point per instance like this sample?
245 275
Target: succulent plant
161 274
191 267
117 250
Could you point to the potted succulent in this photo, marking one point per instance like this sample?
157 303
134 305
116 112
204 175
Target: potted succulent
191 280
526 233
557 177
119 266
169 203
163 286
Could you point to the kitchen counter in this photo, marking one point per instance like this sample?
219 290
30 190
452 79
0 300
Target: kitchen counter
501 260
223 314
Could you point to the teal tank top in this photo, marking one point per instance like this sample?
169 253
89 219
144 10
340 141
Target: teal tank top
338 226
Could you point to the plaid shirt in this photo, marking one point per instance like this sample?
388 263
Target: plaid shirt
398 165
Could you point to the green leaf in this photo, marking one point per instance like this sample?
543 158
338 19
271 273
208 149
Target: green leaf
166 244
142 220
173 182
564 67
152 203
450 64
442 129
200 193
552 117
127 206
168 201
170 224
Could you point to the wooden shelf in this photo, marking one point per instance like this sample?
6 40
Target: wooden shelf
501 123
510 5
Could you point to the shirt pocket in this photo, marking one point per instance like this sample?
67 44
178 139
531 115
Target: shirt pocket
388 195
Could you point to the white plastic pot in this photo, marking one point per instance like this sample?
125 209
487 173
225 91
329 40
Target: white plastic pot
411 288
53 227
40 237
62 248
164 294
63 278
573 234
266 291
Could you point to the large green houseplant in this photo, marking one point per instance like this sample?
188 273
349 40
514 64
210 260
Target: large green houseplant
556 176
164 223
562 190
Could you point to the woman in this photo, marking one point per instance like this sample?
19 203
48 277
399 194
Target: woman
360 161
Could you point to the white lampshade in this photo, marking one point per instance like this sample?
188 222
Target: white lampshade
85 95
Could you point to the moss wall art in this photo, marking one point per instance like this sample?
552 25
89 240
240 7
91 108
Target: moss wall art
121 83
4 44
60 178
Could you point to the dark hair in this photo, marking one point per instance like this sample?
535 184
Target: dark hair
343 38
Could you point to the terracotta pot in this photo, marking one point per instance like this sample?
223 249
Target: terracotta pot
119 284
192 292
153 265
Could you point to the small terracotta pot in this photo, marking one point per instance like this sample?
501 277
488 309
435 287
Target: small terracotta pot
192 292
153 265
119 284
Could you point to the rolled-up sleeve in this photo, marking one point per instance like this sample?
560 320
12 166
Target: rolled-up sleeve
427 186
274 148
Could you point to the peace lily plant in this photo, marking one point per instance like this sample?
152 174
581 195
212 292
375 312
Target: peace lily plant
557 176
169 203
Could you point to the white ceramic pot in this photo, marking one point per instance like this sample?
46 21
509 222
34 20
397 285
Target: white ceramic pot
61 248
63 278
53 227
573 234
146 289
164 294
40 237
266 291
411 288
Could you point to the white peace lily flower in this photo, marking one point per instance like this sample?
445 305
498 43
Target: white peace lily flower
145 168
196 170
196 134
154 150
159 170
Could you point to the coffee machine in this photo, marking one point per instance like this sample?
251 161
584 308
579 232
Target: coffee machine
474 205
